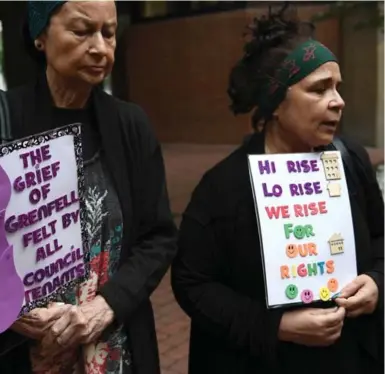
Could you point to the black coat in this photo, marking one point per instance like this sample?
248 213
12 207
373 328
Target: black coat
217 278
135 162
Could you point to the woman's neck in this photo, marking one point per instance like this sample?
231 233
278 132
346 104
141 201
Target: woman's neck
279 141
66 93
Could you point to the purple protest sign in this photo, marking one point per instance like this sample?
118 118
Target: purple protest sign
42 234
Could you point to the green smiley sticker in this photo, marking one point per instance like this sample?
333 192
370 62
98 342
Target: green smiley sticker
291 291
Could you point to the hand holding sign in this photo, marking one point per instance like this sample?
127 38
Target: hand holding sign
359 297
36 323
312 327
79 325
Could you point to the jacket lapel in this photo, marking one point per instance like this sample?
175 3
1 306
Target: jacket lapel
116 153
31 109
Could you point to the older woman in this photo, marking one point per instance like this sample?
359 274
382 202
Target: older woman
291 82
106 324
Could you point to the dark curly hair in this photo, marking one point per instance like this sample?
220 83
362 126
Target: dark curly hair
272 38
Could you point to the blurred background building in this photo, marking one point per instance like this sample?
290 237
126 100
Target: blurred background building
174 57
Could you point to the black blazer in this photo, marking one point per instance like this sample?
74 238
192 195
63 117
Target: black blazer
135 161
217 278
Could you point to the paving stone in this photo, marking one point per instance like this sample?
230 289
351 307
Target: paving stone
185 165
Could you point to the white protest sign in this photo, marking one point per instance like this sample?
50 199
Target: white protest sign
306 230
41 226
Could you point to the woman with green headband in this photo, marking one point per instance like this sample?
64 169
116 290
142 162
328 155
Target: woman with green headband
290 82
106 325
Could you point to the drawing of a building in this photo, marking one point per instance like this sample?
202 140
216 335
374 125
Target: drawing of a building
331 165
336 243
334 189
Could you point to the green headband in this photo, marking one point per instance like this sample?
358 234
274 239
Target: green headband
39 14
306 58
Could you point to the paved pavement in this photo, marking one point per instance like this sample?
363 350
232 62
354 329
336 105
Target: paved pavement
185 165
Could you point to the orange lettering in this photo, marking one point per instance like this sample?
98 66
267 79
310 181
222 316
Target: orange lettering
302 250
330 266
285 272
291 250
312 249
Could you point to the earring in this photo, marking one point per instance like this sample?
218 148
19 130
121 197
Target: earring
38 45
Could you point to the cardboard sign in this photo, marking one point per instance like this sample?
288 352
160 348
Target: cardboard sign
42 238
305 225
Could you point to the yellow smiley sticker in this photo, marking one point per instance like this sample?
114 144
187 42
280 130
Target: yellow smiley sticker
324 294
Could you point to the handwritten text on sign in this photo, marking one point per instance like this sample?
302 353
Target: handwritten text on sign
40 229
297 199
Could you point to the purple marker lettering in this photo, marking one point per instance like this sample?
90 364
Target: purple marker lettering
275 191
266 167
291 167
45 154
317 187
314 165
28 280
24 157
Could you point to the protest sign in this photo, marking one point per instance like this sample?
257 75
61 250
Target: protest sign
305 226
42 234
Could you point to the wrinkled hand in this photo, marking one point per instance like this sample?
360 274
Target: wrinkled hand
35 324
79 325
312 327
359 297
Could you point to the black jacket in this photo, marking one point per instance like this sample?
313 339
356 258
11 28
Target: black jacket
217 278
135 162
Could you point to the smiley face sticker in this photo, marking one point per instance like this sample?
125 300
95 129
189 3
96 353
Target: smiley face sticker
291 291
291 250
307 296
324 294
332 285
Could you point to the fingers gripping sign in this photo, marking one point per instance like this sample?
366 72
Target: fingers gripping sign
359 297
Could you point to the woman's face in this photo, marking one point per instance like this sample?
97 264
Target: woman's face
79 42
313 107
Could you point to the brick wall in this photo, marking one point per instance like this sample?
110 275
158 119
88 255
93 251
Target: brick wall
363 117
178 71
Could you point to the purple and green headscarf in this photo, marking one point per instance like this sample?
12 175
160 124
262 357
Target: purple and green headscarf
39 14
